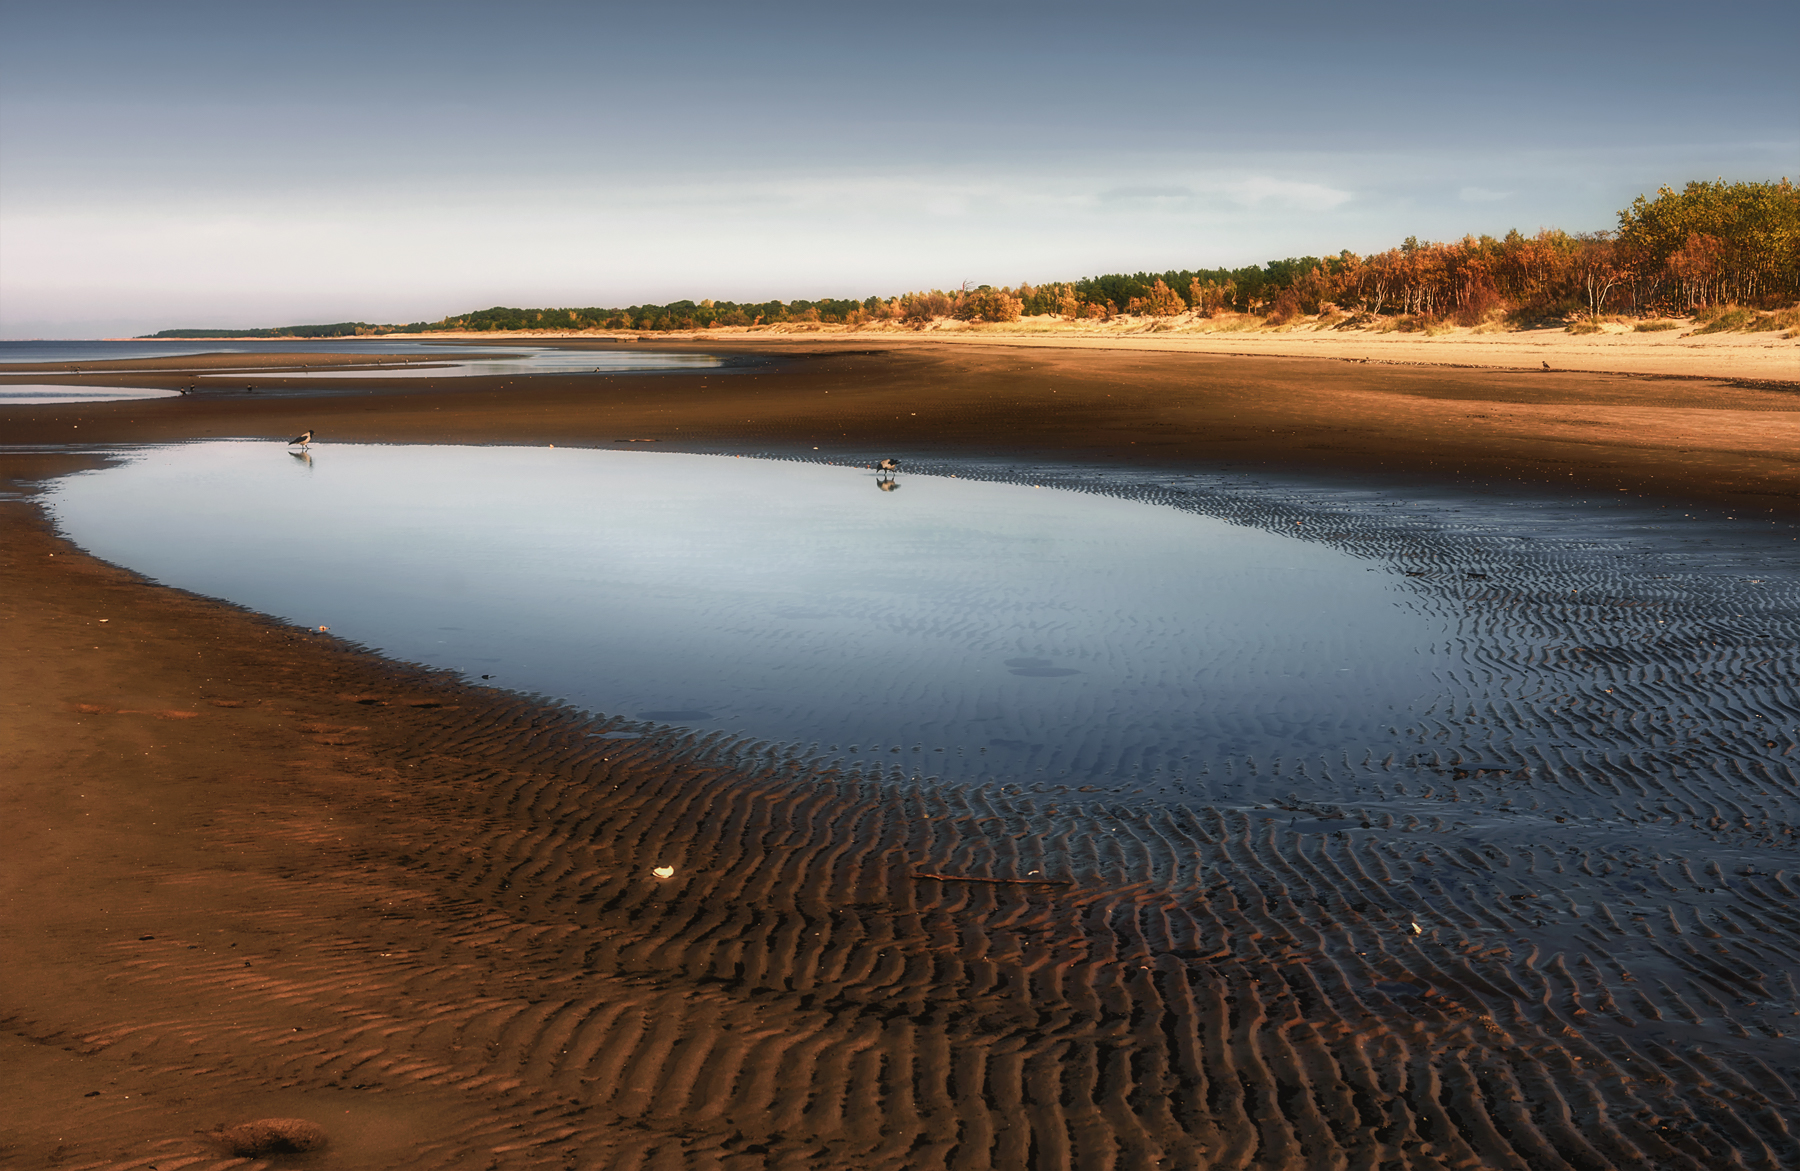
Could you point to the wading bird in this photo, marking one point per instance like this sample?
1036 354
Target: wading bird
304 439
889 465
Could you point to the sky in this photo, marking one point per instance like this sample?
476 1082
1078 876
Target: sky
248 164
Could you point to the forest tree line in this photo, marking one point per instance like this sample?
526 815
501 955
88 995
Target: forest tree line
1712 243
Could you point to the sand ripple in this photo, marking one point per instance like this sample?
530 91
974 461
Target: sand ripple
1556 926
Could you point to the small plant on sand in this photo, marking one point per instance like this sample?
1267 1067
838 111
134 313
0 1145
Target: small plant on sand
1787 319
1582 327
1725 319
1657 326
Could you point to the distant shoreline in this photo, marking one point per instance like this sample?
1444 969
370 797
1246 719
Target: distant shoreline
1616 348
1714 424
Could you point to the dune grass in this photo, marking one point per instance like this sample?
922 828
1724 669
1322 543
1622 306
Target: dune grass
1743 319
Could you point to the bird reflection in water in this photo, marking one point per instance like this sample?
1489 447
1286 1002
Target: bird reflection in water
303 456
884 475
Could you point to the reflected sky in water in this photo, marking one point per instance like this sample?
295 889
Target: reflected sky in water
15 353
41 394
527 362
982 629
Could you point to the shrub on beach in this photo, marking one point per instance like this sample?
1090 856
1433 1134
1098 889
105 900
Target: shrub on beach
920 308
1740 319
1159 301
987 304
1285 308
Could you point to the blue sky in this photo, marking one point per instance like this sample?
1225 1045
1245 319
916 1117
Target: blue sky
252 164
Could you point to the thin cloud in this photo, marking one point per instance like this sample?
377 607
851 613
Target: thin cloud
1261 189
1146 194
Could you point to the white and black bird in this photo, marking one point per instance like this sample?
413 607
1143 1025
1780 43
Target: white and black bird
304 439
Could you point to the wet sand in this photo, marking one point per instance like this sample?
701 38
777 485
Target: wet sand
1729 440
259 873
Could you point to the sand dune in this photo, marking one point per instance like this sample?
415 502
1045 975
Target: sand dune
1617 348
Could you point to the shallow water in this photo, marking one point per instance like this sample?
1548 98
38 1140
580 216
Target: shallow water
43 394
88 350
458 361
955 628
523 361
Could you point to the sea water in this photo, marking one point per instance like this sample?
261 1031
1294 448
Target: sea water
927 624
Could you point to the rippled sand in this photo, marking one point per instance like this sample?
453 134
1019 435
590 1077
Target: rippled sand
1556 926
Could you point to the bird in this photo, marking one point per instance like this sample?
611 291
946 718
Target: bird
888 465
303 439
1546 365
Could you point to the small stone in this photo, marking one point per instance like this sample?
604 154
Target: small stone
273 1136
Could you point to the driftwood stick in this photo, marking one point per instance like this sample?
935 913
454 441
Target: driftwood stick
996 881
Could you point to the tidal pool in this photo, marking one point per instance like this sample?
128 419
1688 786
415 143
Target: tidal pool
953 628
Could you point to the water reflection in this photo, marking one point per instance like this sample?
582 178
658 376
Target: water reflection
961 628
521 361
16 353
48 394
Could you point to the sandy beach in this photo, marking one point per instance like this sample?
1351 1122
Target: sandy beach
1615 347
257 872
1726 432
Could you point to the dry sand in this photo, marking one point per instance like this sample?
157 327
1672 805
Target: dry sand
256 873
1617 348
